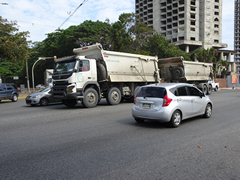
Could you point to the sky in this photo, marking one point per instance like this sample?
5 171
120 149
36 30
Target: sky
40 17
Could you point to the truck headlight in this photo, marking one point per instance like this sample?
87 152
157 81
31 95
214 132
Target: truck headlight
69 89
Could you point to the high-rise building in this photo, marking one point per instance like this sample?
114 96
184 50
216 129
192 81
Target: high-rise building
189 24
237 35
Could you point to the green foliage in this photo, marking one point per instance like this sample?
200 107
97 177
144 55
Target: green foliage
13 49
8 70
205 55
158 45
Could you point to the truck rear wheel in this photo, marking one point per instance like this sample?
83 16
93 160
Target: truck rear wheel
90 98
205 89
209 89
69 102
114 96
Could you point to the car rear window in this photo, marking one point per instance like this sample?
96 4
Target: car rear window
156 92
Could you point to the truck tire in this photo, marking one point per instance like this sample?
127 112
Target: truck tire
209 89
90 99
101 72
69 102
114 96
177 72
205 89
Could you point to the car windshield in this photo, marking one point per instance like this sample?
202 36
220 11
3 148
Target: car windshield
155 92
65 66
45 89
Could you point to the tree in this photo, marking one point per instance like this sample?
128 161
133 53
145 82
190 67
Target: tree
205 55
158 45
13 49
222 66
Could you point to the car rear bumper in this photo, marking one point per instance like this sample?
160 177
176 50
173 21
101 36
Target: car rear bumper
162 115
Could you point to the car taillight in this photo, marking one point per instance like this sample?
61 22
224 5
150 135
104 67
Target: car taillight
166 101
135 98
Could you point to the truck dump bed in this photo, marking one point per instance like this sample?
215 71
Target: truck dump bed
123 67
176 69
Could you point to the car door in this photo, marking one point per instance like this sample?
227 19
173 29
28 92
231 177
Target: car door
184 102
197 101
2 91
9 91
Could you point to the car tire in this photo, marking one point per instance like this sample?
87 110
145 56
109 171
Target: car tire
208 111
216 88
90 99
114 96
69 102
139 120
43 102
176 119
14 98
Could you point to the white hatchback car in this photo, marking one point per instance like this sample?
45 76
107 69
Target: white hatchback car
170 102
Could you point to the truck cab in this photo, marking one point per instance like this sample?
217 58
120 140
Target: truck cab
71 75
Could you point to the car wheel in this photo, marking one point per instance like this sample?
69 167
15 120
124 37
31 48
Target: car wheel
114 96
208 111
139 120
44 102
90 98
14 98
176 119
216 88
69 103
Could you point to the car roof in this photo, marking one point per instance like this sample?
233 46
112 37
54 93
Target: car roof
169 85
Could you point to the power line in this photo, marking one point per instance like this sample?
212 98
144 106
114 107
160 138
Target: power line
73 13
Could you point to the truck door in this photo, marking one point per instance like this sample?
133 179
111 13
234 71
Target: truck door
84 72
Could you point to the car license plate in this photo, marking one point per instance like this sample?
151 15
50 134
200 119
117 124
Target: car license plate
146 105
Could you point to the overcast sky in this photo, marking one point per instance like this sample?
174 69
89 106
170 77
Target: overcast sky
45 16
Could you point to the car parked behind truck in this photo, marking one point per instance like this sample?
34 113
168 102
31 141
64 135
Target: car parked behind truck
93 73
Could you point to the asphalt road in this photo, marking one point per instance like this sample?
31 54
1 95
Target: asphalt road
105 142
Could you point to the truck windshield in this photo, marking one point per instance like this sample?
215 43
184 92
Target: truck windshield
65 66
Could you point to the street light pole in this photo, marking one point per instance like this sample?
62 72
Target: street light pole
40 58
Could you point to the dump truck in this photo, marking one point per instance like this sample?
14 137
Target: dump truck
94 73
178 70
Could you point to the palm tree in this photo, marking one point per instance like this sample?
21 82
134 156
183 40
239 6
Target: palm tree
222 66
206 55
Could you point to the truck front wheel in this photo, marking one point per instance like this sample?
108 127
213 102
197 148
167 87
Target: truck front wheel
90 98
114 96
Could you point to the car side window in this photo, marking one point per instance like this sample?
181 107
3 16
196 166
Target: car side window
2 87
182 91
9 87
193 91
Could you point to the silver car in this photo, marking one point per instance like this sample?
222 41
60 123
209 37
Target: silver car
43 97
170 102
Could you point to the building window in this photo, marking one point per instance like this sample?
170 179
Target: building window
217 1
216 32
216 13
216 41
192 29
216 19
216 7
216 26
192 38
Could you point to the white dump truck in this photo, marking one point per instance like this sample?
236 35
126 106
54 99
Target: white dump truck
177 70
93 73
